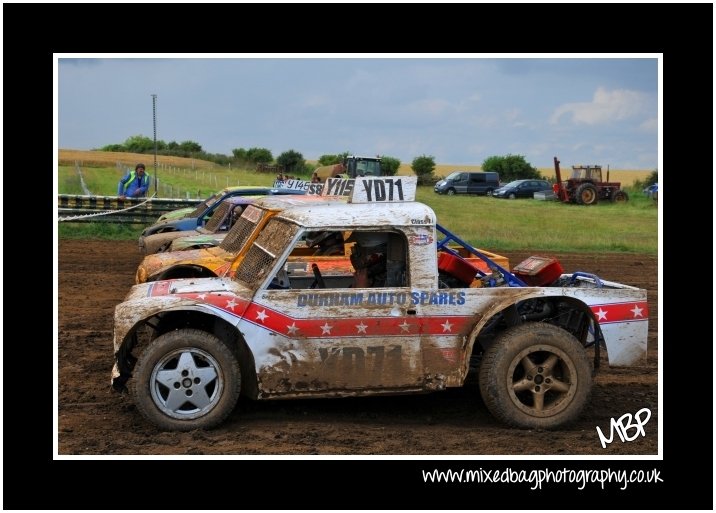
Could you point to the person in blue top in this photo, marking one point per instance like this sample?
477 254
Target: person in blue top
134 184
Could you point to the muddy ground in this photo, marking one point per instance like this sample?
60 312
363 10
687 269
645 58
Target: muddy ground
94 277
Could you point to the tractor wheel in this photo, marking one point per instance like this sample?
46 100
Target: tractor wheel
619 196
587 194
186 379
535 376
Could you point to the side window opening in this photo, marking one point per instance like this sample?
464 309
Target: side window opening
373 259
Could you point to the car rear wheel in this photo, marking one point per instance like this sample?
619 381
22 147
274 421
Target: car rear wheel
535 376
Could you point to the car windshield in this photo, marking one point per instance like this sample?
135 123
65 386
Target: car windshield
242 229
201 207
268 246
454 175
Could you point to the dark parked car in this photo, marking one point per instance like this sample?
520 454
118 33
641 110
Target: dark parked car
522 189
463 182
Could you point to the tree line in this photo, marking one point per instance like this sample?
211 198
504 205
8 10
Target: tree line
510 167
291 161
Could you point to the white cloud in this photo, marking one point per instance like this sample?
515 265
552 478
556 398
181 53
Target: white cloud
606 106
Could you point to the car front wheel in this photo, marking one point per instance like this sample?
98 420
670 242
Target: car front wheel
186 379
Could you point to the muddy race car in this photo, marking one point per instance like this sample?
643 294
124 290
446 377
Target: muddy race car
409 315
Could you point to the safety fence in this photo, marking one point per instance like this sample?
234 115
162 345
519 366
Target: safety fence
112 209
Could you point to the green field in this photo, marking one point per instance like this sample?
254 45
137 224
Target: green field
501 224
486 222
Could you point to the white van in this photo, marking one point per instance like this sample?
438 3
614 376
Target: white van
464 182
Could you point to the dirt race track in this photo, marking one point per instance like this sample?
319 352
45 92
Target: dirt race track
94 277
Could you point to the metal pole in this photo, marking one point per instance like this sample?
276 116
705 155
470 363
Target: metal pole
154 118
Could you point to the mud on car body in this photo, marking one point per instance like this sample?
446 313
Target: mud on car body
187 349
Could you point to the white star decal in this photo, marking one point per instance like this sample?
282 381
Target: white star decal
361 327
201 296
326 329
637 311
292 329
405 326
231 304
261 315
602 315
447 326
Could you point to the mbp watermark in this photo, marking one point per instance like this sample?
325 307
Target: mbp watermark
623 425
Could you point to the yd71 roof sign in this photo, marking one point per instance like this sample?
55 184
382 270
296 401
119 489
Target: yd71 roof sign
384 189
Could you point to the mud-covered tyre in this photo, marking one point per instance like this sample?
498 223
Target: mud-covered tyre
620 197
587 194
186 379
535 376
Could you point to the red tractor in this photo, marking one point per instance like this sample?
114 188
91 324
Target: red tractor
586 187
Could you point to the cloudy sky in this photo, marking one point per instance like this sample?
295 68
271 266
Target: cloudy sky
598 110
